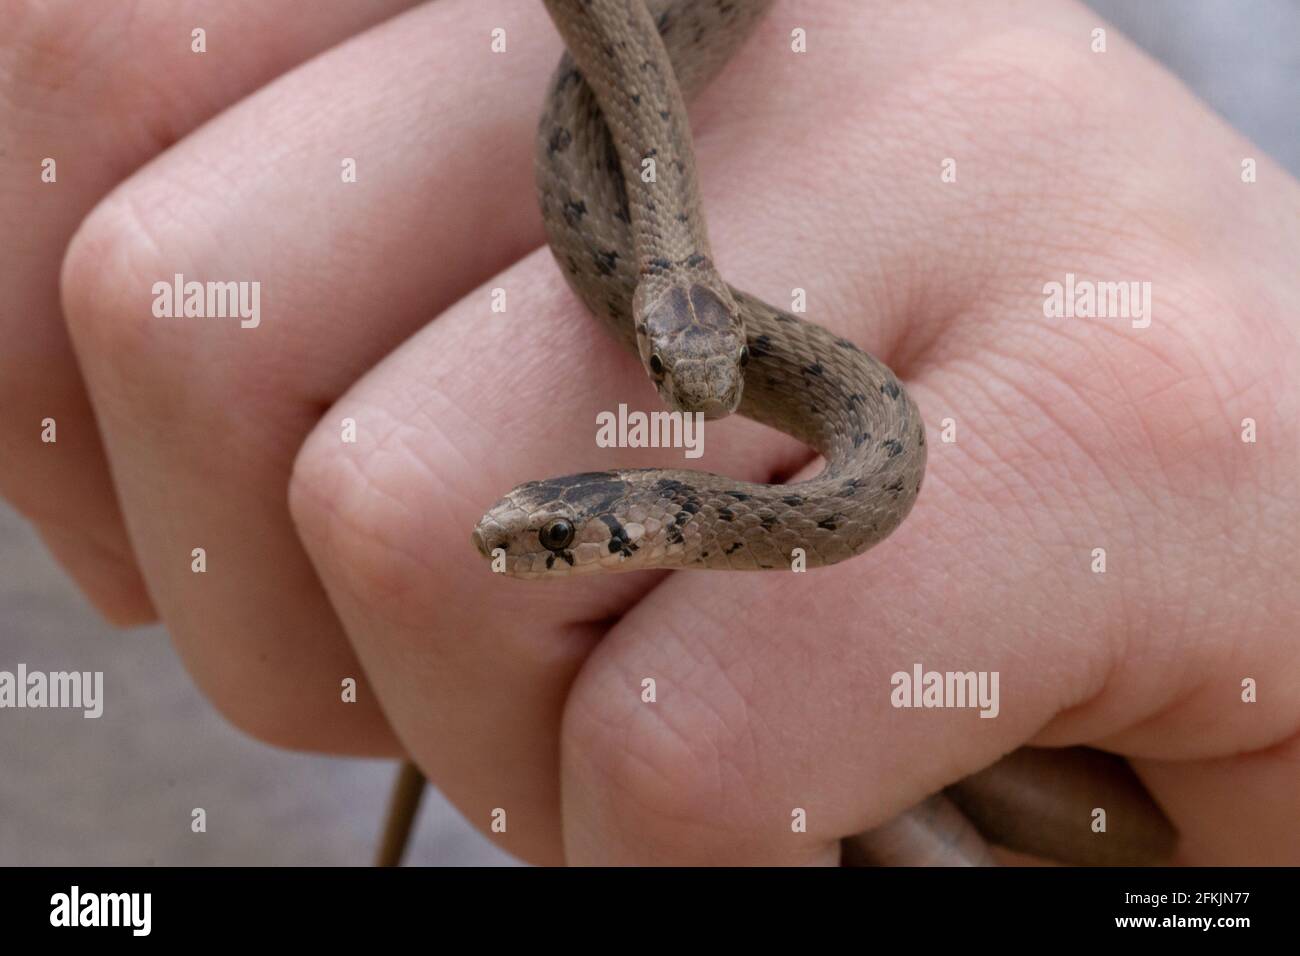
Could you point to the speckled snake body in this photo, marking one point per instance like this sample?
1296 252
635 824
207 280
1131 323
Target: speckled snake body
636 251
638 256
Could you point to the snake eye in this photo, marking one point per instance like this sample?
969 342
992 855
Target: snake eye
744 356
556 534
656 364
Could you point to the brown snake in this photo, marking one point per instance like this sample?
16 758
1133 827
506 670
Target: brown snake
639 257
635 249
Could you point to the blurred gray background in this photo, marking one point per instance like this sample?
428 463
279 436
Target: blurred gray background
92 792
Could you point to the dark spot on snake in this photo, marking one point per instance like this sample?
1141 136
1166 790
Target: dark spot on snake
663 114
662 264
892 445
891 389
605 261
672 489
828 523
550 561
849 488
663 23
726 514
857 397
794 501
760 347
691 505
614 525
784 317
695 259
896 488
573 266
675 534
620 544
920 435
769 522
574 211
735 547
845 343
738 495
636 98
559 141
815 369
567 556
682 217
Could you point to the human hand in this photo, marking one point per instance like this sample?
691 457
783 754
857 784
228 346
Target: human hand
94 91
773 690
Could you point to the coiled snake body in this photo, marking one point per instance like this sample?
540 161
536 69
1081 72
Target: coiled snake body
638 255
635 249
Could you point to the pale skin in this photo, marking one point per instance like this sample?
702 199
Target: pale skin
820 171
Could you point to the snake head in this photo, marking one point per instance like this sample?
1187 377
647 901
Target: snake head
595 522
692 343
559 527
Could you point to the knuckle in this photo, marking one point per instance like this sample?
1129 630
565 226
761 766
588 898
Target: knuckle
106 280
356 522
677 777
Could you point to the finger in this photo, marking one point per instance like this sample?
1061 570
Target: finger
97 94
1233 811
346 270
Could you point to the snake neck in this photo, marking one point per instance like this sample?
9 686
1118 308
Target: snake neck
627 67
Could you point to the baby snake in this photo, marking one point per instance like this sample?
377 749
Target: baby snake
638 256
635 249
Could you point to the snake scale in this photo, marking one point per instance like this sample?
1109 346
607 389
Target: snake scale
620 201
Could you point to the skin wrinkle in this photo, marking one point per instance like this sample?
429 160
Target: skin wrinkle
1015 485
1116 652
747 721
307 487
667 796
1117 639
1203 738
1154 446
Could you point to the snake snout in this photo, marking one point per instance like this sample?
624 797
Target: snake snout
712 387
480 542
